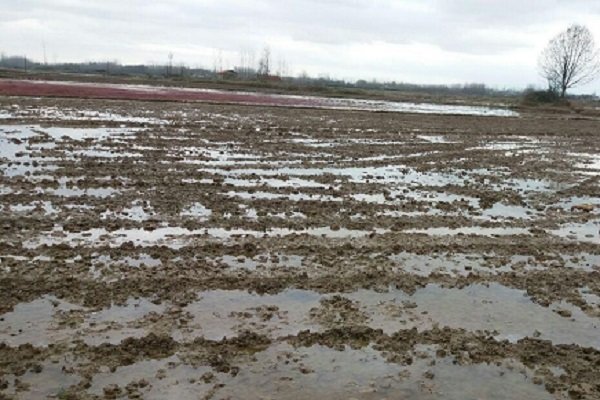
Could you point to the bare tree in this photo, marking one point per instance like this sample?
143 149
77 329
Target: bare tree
570 59
217 61
264 64
170 65
282 68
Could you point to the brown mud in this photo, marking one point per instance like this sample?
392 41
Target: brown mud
177 250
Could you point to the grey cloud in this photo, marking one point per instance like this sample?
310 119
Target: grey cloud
317 34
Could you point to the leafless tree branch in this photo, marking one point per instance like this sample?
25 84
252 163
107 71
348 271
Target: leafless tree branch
570 59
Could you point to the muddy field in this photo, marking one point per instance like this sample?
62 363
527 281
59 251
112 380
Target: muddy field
111 91
200 251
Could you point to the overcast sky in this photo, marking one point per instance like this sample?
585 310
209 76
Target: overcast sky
424 41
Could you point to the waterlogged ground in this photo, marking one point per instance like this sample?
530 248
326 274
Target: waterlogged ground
69 89
171 250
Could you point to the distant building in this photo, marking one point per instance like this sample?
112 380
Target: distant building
228 74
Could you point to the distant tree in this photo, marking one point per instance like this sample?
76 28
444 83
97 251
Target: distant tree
282 68
264 64
170 65
570 59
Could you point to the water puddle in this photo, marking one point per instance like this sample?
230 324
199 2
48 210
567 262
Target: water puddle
71 114
45 207
590 298
529 185
65 191
34 322
197 211
285 372
118 322
136 212
61 133
48 321
572 203
389 174
177 237
471 230
141 260
407 107
24 156
507 313
504 146
584 261
500 211
225 313
259 195
48 380
584 232
434 139
275 183
168 378
262 261
315 142
453 264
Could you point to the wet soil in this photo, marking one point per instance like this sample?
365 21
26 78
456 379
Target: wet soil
187 250
98 90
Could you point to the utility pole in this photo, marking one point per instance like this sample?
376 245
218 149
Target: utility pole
25 63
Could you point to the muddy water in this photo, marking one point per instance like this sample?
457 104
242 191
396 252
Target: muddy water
363 374
228 252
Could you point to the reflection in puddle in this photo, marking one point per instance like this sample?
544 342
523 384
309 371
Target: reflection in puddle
275 183
177 237
584 261
197 210
434 138
168 378
425 265
509 312
504 211
224 313
504 312
48 381
73 114
141 260
585 232
34 323
321 372
471 230
66 190
59 133
44 206
47 321
572 203
287 196
387 174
